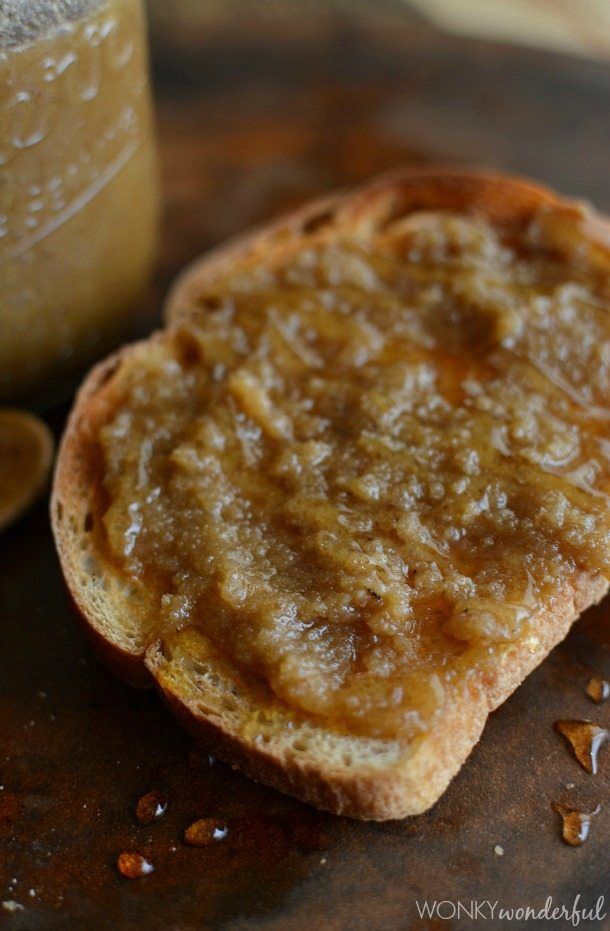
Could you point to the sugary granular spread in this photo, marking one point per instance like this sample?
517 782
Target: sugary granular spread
362 468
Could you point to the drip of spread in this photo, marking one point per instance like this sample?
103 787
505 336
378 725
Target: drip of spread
586 739
575 824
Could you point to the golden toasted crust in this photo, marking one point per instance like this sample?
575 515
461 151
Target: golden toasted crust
419 777
347 775
75 497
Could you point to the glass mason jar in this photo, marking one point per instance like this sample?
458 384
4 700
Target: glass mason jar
78 184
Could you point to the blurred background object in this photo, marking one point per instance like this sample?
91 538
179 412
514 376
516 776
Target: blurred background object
196 21
580 26
78 185
26 452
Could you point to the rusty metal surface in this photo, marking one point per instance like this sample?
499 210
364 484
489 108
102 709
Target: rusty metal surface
245 133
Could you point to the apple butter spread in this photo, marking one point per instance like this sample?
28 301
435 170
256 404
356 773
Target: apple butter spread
367 462
78 184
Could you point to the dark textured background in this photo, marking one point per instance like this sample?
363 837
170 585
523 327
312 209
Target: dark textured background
254 120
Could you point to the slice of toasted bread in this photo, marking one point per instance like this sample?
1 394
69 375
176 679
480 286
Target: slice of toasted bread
360 747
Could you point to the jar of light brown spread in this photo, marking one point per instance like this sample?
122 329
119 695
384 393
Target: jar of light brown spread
78 184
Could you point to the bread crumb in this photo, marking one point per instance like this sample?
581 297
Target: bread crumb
11 906
498 850
323 861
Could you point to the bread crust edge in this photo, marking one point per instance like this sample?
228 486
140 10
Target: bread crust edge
412 786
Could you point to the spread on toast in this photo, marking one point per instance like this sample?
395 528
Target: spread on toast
359 466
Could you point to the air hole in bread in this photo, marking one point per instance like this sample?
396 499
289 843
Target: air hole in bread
88 522
91 567
198 669
187 350
209 302
348 759
318 221
229 704
59 511
301 745
164 650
